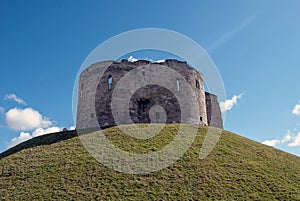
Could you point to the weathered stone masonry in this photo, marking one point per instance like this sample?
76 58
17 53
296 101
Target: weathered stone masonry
95 95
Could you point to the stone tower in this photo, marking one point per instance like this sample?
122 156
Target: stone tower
128 92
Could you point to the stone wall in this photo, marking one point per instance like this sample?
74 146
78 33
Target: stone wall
88 82
142 92
214 116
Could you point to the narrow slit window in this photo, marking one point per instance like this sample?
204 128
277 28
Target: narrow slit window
197 84
201 119
177 84
143 71
81 88
109 82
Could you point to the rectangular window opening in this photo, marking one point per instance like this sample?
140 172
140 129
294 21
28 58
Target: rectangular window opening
178 84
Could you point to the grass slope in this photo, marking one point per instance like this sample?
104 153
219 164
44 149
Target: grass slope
56 166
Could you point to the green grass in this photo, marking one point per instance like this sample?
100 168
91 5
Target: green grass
56 166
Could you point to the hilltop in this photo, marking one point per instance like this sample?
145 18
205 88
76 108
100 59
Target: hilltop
56 166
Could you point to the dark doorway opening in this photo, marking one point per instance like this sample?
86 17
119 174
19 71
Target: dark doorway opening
144 105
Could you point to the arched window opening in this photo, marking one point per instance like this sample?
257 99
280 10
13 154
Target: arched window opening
197 84
177 84
109 82
201 119
143 71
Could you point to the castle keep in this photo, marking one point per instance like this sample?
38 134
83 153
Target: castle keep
113 93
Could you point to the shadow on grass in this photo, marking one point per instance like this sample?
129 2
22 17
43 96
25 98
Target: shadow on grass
39 141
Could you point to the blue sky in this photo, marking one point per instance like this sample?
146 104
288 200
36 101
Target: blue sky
254 44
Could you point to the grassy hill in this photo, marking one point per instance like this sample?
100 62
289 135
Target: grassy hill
56 166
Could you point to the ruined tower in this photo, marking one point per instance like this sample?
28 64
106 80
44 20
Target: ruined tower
113 93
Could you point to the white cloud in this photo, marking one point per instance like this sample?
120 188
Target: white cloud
72 128
46 122
17 140
26 119
15 98
132 59
296 141
296 109
287 137
271 143
26 136
228 104
160 61
41 131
